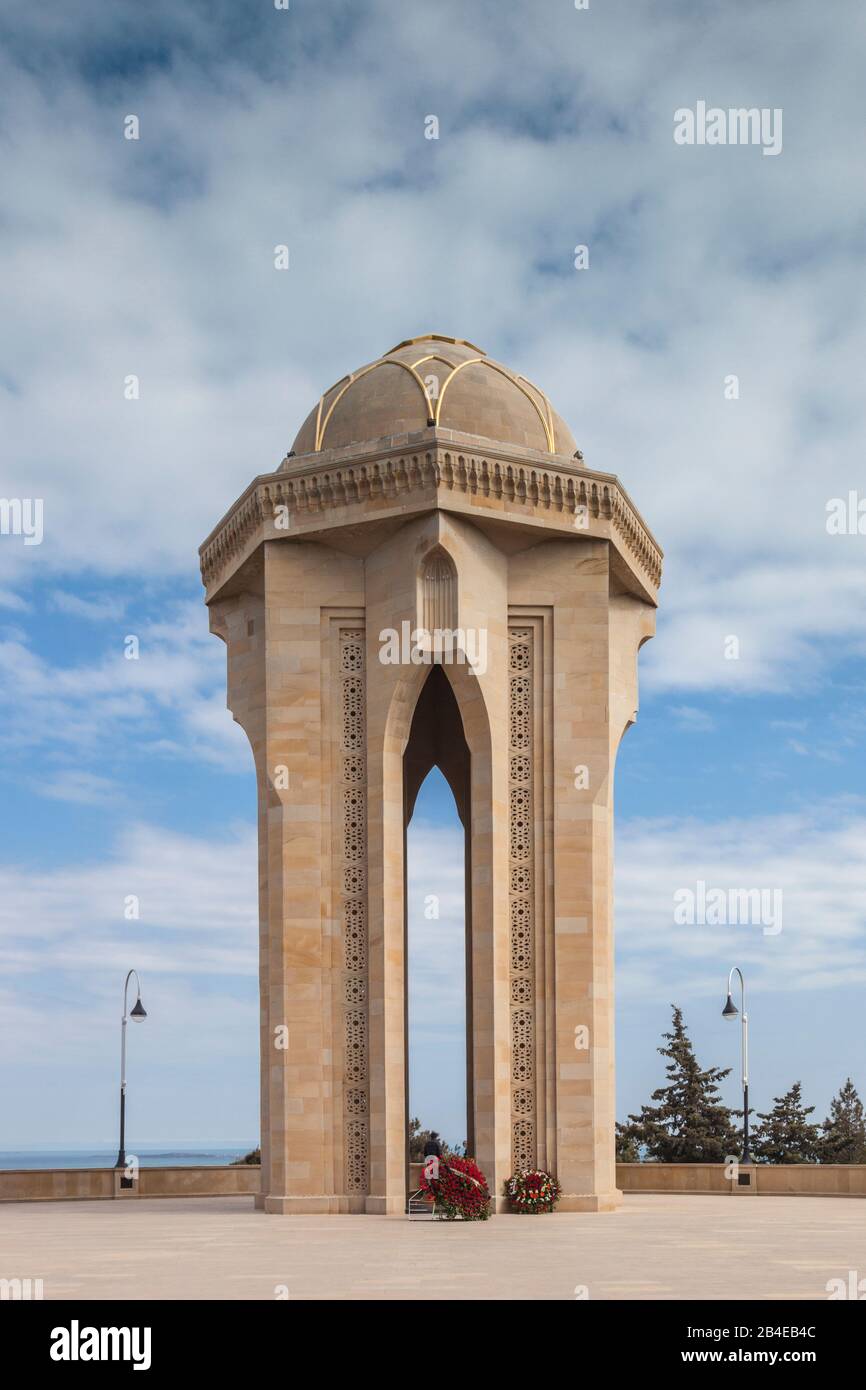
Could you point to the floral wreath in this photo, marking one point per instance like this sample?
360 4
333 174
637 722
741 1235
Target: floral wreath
457 1187
533 1191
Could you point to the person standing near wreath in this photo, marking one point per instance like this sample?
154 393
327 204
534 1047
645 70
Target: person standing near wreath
432 1155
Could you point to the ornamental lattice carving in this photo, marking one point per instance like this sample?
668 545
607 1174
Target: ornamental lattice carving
357 1155
356 1101
523 1145
522 1045
352 798
523 1101
521 906
356 1045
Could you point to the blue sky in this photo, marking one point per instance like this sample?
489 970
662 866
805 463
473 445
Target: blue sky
155 258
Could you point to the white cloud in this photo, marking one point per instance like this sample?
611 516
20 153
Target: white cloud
9 599
704 262
816 858
76 785
197 903
691 719
437 959
171 699
96 610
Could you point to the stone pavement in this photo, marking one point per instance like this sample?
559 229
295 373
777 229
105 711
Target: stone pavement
655 1247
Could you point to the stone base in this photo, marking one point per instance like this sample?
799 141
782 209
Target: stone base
385 1206
589 1201
311 1206
396 1206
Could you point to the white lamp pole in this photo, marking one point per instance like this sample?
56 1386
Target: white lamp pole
137 1014
730 1011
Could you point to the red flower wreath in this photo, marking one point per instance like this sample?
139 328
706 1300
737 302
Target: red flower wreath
533 1191
458 1190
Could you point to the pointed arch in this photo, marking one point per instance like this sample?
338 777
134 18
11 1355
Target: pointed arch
464 692
437 599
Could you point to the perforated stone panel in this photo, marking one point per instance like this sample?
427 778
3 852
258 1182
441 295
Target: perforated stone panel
352 793
521 901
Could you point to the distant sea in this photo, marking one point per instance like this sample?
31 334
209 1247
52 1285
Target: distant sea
149 1156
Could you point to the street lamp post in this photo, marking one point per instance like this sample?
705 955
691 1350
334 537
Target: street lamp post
730 1011
137 1014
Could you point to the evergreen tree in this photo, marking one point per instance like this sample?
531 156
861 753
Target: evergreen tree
786 1134
627 1146
844 1137
689 1123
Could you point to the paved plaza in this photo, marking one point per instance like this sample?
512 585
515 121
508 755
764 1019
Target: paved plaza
654 1247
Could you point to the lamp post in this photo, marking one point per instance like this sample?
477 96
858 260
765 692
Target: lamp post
137 1014
730 1011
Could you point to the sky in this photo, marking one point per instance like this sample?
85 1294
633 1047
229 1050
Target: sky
153 258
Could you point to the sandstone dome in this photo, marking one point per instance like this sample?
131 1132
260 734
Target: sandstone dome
434 380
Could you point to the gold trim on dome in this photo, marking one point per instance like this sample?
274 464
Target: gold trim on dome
434 411
547 406
509 376
356 376
433 357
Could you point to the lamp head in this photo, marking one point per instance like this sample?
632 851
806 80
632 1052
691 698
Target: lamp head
730 1010
137 1011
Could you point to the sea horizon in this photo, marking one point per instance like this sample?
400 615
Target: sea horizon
104 1155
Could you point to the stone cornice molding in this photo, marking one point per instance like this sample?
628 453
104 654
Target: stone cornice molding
435 467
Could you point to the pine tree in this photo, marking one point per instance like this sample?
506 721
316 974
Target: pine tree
627 1145
689 1123
786 1134
844 1137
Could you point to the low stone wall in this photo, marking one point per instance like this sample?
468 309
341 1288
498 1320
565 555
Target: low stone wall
93 1184
782 1180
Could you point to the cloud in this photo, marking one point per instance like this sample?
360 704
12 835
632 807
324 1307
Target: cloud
77 786
170 698
815 859
197 903
8 599
437 951
691 719
703 262
96 610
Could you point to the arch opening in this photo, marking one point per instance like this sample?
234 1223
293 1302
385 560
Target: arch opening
437 916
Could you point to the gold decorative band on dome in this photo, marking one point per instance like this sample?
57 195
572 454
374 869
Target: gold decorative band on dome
322 425
551 434
527 388
546 424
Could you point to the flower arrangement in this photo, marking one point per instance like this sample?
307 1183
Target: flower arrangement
533 1191
458 1189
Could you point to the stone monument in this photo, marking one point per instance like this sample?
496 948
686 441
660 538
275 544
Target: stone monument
433 576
